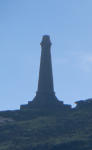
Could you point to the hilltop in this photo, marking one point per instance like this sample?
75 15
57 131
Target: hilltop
47 129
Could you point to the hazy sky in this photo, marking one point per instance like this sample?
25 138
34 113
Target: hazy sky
22 25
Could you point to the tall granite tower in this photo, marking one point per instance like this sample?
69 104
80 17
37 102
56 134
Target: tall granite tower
45 95
45 83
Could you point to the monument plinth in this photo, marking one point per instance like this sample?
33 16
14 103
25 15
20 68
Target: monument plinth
45 95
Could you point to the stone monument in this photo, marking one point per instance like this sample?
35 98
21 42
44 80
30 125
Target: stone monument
45 95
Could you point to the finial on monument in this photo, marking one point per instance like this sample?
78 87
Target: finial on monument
45 40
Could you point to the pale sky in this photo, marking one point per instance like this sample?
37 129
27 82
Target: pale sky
22 25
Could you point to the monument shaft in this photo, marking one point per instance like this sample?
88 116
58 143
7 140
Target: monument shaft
45 83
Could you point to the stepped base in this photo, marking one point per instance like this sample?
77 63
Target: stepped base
45 100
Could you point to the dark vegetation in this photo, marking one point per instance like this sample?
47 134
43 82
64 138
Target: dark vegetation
47 129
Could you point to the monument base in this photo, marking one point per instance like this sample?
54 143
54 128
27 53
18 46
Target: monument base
46 100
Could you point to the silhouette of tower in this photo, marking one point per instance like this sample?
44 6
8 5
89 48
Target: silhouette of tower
45 95
45 83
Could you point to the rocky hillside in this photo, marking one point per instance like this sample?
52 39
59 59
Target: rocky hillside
46 129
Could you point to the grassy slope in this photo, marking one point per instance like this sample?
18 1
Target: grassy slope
43 129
